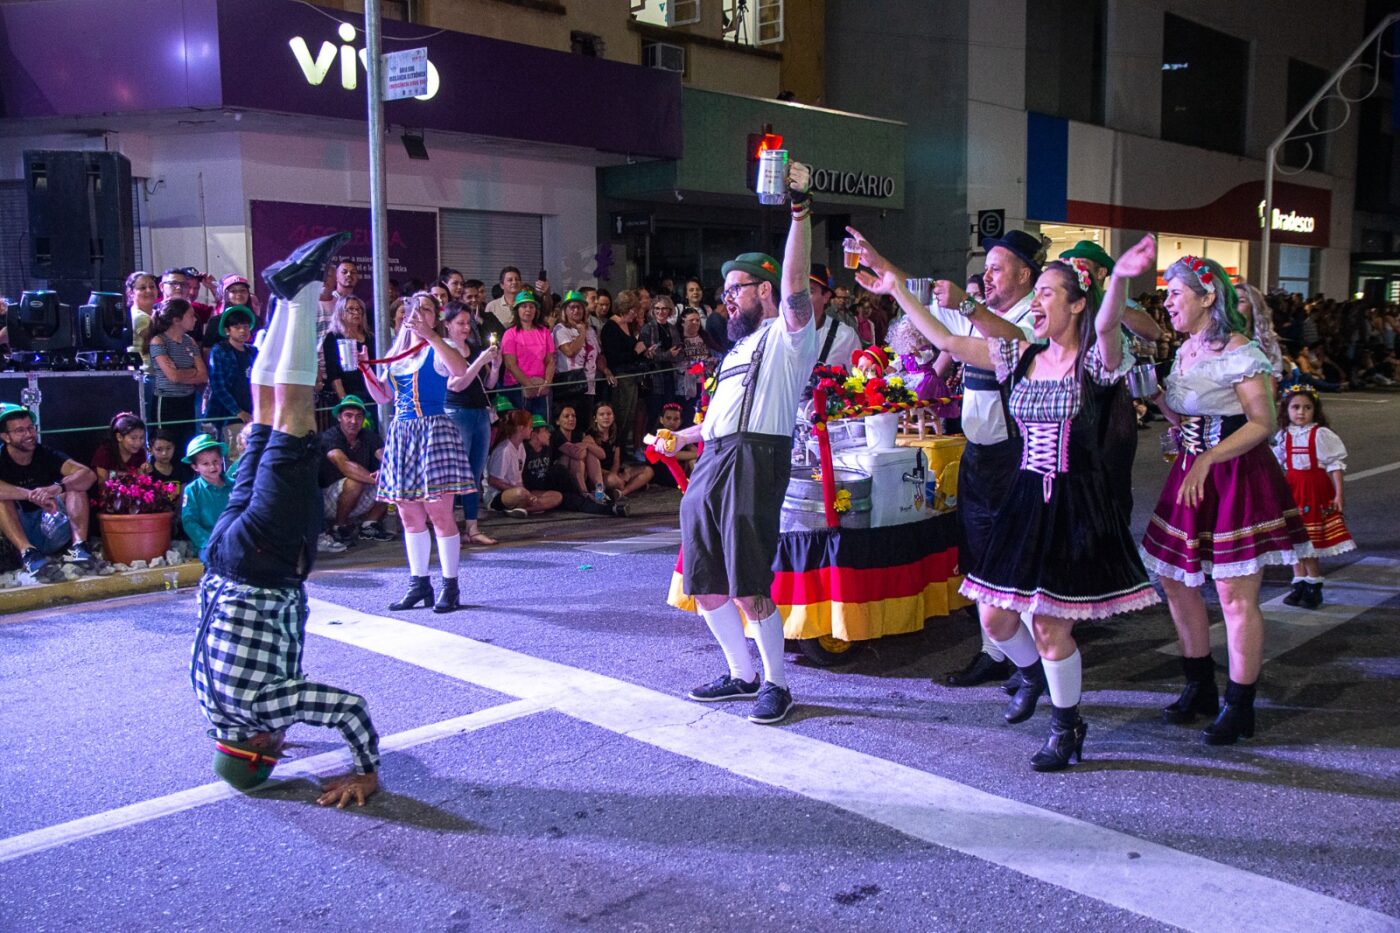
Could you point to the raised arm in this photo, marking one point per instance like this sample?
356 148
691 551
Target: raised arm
1137 260
797 255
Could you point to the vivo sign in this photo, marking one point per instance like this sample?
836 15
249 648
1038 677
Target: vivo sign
351 60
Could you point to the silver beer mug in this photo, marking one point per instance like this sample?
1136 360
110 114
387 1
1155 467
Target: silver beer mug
349 353
922 289
1142 380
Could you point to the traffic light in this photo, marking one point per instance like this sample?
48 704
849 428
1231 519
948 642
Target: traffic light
757 143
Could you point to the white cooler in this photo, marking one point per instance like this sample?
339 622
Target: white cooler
896 482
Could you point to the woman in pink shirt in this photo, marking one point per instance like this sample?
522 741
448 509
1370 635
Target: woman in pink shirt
527 350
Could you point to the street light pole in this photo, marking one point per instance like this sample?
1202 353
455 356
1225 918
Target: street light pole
378 215
1271 154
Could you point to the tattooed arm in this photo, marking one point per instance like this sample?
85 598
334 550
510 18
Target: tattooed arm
797 258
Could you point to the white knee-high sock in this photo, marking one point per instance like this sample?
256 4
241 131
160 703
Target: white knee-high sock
1020 648
728 630
989 647
1065 679
449 555
296 361
419 545
770 648
269 344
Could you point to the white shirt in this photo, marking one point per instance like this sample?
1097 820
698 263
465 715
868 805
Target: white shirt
585 359
507 464
1331 452
787 365
983 420
1208 388
846 341
500 308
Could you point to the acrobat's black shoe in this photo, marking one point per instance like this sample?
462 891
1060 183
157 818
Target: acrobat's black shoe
305 265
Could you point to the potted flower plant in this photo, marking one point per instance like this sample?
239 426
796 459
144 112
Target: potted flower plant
136 513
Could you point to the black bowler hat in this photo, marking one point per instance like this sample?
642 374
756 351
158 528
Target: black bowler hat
821 275
305 265
1027 248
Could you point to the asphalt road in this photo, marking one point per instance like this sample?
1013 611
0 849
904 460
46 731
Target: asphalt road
542 772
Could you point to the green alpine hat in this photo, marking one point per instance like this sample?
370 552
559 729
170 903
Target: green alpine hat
573 295
233 311
759 265
350 401
242 766
200 443
1088 249
9 410
503 404
539 422
525 297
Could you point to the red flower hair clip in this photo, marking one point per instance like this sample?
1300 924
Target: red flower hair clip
1083 273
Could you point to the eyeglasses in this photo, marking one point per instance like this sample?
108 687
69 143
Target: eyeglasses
732 292
174 283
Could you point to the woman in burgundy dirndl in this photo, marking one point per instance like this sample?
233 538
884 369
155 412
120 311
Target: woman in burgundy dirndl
1225 511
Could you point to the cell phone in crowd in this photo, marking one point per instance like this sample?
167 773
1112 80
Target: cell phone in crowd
544 276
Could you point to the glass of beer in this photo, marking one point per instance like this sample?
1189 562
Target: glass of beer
851 252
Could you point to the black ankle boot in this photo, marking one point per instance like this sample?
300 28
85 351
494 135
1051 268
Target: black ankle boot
1312 595
1013 683
420 589
1297 594
1066 740
1022 704
1199 697
1236 717
447 600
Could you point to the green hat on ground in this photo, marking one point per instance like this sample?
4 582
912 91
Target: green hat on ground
235 311
539 422
201 443
10 409
503 404
525 297
1088 249
241 765
759 265
573 295
350 401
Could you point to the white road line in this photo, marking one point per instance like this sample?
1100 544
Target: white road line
1134 874
1374 471
316 765
1356 588
655 541
1335 397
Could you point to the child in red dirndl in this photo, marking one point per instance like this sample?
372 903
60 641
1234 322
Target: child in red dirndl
1314 459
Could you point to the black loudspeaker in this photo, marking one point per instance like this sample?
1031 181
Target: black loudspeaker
104 323
80 217
42 323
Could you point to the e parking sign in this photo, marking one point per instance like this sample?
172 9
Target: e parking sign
991 224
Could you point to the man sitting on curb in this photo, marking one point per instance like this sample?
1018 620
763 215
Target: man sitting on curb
350 474
43 495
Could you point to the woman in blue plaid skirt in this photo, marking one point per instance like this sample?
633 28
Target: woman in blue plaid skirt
425 464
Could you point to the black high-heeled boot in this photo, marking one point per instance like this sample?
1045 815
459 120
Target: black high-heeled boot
449 599
1022 704
420 589
1199 697
1236 717
1066 740
1013 683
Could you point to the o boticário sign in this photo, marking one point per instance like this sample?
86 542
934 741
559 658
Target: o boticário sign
854 184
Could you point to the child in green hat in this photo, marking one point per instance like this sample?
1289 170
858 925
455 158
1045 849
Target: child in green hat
206 497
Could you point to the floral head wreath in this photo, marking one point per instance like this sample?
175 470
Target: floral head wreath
1203 272
1300 388
1084 273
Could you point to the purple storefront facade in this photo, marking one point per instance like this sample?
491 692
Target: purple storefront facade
244 122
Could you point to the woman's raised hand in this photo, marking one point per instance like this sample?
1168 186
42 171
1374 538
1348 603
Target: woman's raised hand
1137 259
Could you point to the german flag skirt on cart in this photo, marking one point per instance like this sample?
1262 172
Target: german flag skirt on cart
860 583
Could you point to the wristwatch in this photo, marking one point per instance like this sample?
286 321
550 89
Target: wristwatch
969 306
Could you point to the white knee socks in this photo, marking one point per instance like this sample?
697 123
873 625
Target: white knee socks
1020 648
728 630
449 555
419 545
1065 679
770 648
287 350
989 647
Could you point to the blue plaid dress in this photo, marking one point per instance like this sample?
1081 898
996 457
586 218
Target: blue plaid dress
424 457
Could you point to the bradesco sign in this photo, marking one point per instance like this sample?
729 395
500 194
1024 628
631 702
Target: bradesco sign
346 60
1292 222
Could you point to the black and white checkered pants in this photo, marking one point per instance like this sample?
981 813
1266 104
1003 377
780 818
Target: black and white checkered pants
246 669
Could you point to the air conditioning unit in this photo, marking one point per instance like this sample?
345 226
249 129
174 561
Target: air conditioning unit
665 56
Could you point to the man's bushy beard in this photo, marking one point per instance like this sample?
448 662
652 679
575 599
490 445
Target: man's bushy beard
744 322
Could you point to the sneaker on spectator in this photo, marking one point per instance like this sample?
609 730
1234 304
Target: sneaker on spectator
33 560
619 508
345 534
517 513
329 545
773 705
725 687
79 554
373 531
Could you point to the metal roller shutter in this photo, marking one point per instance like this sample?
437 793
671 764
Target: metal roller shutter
479 243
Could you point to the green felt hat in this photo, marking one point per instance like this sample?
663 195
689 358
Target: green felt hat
1088 249
236 311
201 443
525 297
9 409
539 422
573 295
503 404
350 401
242 766
759 265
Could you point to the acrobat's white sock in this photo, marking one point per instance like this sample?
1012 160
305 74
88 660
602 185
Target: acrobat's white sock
449 555
728 630
269 344
419 545
989 647
1065 679
1020 648
770 648
296 359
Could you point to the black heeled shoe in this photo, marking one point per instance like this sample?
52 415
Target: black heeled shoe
978 671
1022 704
1236 719
1297 594
449 600
1199 697
1066 741
1013 683
305 265
420 590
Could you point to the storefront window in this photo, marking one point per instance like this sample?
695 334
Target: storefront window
1204 83
1231 254
1295 269
1063 236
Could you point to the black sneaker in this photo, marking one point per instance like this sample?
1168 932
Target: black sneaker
373 531
33 560
619 508
979 670
725 688
773 705
345 534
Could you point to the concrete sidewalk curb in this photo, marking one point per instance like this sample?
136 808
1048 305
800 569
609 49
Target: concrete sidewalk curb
89 589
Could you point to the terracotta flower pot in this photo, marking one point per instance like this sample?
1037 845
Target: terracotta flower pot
127 538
